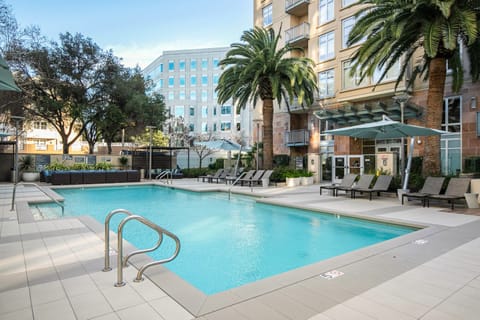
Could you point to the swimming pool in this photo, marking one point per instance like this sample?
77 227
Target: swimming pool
226 244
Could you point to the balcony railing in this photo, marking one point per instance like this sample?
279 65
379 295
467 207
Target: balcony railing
298 8
298 35
297 138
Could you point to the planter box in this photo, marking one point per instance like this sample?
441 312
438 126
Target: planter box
293 182
306 181
30 176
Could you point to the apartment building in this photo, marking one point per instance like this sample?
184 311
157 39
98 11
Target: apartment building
321 27
187 79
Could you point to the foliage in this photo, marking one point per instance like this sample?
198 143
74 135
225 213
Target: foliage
195 172
103 166
80 166
123 161
258 68
159 139
201 150
56 166
27 164
397 30
281 173
281 160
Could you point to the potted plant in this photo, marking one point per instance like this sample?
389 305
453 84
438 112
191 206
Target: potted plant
27 167
123 162
307 178
292 178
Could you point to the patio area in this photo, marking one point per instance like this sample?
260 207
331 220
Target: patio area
52 269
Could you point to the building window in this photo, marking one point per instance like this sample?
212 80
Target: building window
238 126
214 127
226 110
193 80
181 81
171 81
179 111
346 3
160 67
160 83
191 127
215 95
215 79
267 15
171 95
192 111
41 125
350 81
181 95
392 73
204 64
215 111
326 11
347 26
193 65
215 63
326 46
451 117
204 95
204 111
171 65
204 80
181 65
326 84
226 126
204 127
193 95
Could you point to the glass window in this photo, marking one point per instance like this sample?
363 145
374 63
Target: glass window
204 95
326 84
349 81
171 95
181 65
41 125
392 73
347 25
215 63
215 110
238 126
192 111
191 127
193 64
181 81
215 79
179 111
346 3
267 15
181 95
171 81
225 126
214 127
225 110
204 127
326 11
451 117
326 46
160 67
193 95
214 95
193 80
204 80
160 83
204 111
204 64
171 65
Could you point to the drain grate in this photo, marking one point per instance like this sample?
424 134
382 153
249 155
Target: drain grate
331 274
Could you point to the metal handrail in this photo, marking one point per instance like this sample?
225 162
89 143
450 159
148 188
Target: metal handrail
121 261
107 235
233 183
163 174
49 196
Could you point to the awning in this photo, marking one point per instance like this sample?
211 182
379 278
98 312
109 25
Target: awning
355 114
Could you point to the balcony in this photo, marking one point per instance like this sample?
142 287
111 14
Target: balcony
297 138
297 8
298 35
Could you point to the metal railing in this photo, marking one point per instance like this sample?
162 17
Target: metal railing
61 205
121 261
165 174
302 31
233 183
297 138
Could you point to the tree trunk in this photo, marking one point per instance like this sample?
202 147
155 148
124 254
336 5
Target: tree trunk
267 134
91 147
109 147
65 143
433 117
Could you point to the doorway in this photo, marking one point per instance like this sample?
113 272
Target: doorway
346 164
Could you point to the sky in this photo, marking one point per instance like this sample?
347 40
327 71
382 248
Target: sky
138 31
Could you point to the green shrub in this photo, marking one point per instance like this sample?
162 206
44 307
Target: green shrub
195 172
81 166
56 166
103 166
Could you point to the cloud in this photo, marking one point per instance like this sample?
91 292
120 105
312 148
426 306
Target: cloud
144 54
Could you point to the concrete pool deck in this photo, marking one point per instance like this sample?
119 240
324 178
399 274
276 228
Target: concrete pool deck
52 269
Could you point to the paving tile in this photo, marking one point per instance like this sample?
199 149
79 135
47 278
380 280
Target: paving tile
375 310
13 281
227 313
287 306
148 290
143 311
78 285
23 314
56 310
341 312
438 315
309 298
320 316
122 297
89 305
110 316
14 300
47 292
169 309
255 310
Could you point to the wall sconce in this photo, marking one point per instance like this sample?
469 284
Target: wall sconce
419 141
312 124
473 103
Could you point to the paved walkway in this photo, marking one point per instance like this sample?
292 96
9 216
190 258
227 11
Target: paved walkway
52 269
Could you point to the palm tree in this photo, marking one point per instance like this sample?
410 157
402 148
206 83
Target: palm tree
257 68
397 30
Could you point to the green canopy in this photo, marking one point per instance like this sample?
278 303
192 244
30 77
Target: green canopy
6 78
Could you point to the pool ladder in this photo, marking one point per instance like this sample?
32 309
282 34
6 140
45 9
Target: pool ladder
122 262
165 174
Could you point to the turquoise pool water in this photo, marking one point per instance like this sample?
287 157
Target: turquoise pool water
226 244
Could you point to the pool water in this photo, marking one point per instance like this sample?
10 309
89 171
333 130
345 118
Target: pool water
226 243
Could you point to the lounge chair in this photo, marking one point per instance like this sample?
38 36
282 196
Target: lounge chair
244 175
432 185
346 182
223 175
256 177
265 176
208 177
381 185
456 189
363 183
